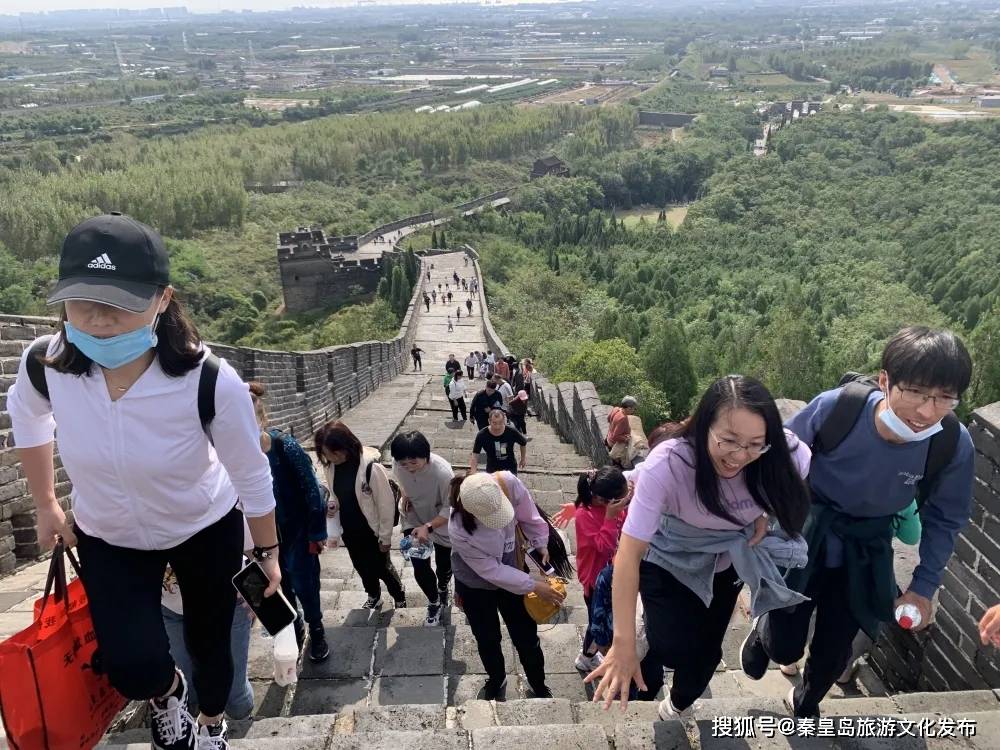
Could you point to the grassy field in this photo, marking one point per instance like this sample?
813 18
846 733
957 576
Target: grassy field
976 67
770 79
675 216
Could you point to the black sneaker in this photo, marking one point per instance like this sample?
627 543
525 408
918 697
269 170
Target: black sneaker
372 602
319 650
753 657
399 603
213 736
493 692
171 724
539 692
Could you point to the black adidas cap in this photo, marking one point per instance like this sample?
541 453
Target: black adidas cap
112 259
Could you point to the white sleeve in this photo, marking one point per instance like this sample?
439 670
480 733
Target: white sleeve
237 442
30 412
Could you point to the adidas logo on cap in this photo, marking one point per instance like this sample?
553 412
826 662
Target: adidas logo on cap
102 261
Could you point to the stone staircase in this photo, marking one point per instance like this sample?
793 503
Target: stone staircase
392 683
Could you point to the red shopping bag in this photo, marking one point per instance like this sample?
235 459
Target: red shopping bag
50 696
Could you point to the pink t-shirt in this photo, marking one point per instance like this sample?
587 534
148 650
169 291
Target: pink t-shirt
665 484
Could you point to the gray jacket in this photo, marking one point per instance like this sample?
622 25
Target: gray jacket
690 553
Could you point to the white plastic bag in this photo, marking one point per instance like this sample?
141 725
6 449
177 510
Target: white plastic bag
333 530
641 643
286 657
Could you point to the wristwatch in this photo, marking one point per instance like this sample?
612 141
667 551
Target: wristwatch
430 528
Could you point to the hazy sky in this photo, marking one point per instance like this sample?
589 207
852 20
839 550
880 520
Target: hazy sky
193 6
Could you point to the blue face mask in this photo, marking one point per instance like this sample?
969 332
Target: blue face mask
114 351
902 430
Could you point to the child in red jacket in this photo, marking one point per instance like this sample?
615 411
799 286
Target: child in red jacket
602 497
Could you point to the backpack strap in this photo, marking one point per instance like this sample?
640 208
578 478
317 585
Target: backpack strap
206 393
35 366
848 407
939 454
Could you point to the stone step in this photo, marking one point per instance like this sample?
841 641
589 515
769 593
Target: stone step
561 725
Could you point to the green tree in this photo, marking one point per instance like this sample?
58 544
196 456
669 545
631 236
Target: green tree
667 361
400 291
985 345
443 241
791 363
615 369
434 239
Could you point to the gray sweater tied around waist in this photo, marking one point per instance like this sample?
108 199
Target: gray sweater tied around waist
690 554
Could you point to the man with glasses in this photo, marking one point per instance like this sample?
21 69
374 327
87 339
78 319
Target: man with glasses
903 441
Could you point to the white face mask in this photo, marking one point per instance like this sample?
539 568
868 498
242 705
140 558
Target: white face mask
899 428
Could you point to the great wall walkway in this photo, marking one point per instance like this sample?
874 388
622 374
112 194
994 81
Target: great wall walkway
392 683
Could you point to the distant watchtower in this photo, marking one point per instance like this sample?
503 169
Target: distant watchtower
317 270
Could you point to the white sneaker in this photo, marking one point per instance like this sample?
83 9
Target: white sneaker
668 711
171 724
586 663
215 737
790 670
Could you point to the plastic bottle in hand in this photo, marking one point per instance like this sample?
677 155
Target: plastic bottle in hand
333 530
286 657
411 549
908 616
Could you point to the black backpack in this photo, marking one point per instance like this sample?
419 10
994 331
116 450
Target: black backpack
206 382
851 402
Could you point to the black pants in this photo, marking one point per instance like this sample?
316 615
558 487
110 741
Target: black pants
417 365
372 564
471 371
683 633
300 574
458 405
519 422
784 632
428 582
123 588
481 608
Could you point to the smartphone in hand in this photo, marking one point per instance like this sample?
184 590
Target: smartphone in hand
545 567
274 612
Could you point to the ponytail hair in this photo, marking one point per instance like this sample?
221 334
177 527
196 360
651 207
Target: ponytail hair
607 482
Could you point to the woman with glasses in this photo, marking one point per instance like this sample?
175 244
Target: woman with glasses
727 466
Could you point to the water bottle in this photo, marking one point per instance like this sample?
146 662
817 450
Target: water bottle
286 657
333 530
411 549
908 616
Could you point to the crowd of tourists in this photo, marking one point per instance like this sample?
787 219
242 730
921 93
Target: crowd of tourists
179 479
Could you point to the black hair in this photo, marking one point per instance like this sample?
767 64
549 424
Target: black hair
178 344
337 436
608 482
927 357
407 445
773 479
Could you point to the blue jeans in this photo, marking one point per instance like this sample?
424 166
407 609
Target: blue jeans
300 577
240 702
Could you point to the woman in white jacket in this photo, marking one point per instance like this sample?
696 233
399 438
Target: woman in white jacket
456 396
362 496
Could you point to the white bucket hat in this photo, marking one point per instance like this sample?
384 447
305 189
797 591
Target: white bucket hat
482 497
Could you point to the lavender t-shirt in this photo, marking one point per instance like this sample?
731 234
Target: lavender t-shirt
665 484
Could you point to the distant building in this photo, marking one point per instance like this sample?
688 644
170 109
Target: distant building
720 71
549 165
989 102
